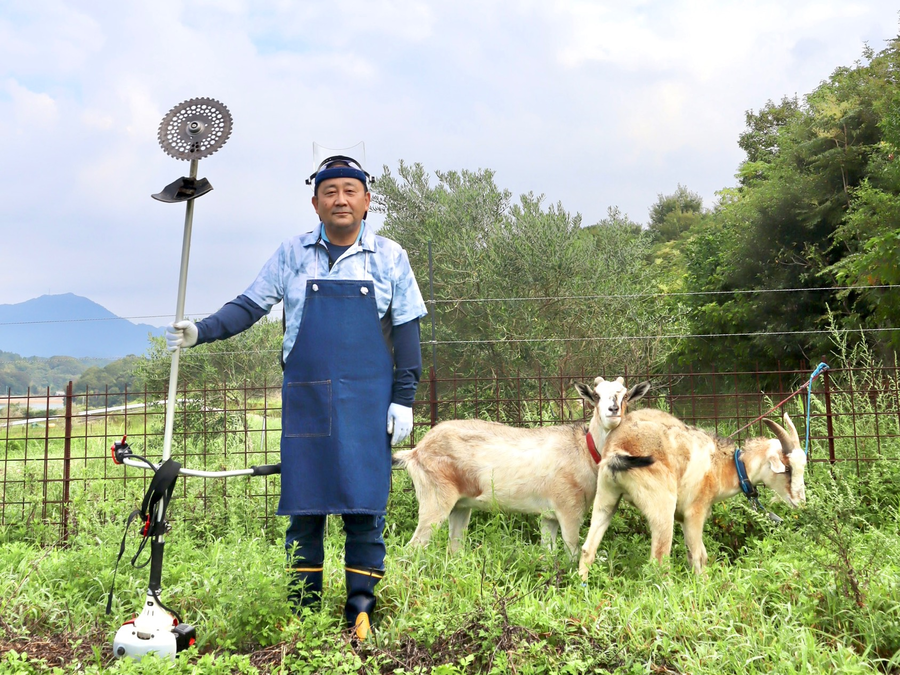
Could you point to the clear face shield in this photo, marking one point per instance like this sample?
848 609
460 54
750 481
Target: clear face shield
324 158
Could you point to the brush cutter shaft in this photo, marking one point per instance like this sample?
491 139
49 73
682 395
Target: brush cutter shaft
179 315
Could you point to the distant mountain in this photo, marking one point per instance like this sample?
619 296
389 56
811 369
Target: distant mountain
70 325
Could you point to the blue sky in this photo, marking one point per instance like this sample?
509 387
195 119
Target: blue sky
592 103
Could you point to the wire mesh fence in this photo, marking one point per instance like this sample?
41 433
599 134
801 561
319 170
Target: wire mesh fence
55 449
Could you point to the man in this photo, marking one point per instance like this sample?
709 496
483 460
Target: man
352 362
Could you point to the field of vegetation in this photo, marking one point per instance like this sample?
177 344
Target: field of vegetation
819 593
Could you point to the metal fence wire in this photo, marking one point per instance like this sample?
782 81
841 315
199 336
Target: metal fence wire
55 448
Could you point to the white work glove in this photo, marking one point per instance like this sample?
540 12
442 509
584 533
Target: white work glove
399 423
181 334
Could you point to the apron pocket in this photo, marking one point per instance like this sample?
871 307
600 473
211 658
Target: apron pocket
307 409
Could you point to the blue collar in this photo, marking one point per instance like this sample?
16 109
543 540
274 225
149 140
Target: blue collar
748 488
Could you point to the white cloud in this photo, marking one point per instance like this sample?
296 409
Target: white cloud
97 119
657 121
51 36
141 114
32 109
342 23
592 103
701 39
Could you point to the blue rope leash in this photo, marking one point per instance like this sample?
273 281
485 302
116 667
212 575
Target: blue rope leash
819 369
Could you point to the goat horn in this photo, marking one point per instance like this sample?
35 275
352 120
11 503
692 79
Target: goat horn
787 443
789 425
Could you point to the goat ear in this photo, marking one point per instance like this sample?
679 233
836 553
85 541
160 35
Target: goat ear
588 394
637 392
775 463
775 460
620 380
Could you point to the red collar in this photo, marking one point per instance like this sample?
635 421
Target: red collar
592 448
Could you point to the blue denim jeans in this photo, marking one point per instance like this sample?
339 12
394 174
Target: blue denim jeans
364 546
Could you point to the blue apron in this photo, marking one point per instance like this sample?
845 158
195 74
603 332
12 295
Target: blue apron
335 449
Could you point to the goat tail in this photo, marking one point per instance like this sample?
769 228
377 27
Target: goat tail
402 458
423 482
621 463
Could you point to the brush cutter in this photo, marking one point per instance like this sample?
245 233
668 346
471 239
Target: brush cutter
190 131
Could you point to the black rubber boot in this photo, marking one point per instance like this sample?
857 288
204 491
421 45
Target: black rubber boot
361 599
306 586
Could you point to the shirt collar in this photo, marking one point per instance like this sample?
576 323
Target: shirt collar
366 238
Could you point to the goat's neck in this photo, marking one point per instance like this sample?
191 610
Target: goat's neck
598 433
754 457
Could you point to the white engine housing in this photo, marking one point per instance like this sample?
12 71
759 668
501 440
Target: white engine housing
150 632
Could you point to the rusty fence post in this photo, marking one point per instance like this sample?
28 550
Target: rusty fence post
67 461
715 398
432 394
826 383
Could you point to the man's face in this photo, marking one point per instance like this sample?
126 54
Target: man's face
341 204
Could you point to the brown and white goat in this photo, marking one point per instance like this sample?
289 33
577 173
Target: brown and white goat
670 470
462 465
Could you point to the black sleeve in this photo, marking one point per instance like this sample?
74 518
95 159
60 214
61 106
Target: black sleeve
234 317
407 362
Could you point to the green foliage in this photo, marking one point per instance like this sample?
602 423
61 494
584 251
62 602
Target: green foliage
673 215
760 140
116 377
14 663
816 207
871 236
541 270
18 374
860 578
251 359
503 604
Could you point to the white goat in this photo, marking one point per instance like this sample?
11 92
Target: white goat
669 471
464 464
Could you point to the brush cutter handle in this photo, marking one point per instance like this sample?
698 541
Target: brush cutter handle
264 470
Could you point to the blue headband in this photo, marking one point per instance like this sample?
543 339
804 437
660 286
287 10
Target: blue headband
340 172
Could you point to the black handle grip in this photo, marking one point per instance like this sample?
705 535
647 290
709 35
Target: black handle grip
266 469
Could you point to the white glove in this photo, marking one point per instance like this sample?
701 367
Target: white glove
399 423
181 334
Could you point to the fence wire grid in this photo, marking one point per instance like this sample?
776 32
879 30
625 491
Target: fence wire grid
55 448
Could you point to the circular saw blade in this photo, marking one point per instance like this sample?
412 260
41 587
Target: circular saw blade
195 128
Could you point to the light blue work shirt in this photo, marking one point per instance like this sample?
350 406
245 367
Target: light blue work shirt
304 257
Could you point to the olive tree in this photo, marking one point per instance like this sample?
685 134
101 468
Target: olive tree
519 285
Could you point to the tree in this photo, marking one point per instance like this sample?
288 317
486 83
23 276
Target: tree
250 360
114 378
520 285
804 200
19 374
673 215
760 139
869 236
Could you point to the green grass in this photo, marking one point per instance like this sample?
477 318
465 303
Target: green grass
772 600
818 594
